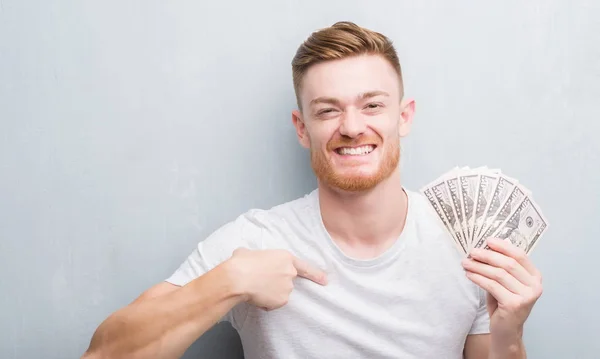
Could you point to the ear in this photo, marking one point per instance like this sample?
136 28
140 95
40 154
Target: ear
298 122
406 116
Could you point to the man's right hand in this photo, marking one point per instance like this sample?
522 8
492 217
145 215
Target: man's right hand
265 277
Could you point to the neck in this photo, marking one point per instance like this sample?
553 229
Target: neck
365 223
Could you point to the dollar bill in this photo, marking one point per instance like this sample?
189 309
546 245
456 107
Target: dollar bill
434 203
442 194
502 191
524 226
453 186
487 183
510 204
468 190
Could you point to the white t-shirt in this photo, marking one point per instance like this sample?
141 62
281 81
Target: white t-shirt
413 301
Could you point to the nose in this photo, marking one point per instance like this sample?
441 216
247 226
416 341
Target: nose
352 124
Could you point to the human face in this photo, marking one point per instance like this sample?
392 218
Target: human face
352 119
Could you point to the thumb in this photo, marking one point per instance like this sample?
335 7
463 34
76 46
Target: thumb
492 304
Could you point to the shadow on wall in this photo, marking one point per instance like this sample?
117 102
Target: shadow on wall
221 342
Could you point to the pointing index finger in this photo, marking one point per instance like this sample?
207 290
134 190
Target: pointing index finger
307 271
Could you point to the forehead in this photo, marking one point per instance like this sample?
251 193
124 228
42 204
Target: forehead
346 78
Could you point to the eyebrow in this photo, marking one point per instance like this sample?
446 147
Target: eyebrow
335 101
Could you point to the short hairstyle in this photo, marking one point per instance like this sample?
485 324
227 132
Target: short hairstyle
341 40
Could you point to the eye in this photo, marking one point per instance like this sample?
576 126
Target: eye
325 111
373 105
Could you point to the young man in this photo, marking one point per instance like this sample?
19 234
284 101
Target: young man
358 268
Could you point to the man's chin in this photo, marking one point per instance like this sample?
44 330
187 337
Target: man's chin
351 178
353 183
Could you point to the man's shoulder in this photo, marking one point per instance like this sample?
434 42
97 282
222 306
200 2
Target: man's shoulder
299 204
284 209
262 228
291 210
256 227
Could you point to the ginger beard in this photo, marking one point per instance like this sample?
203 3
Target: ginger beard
355 180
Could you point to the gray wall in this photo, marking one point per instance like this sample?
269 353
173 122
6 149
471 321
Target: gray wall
131 130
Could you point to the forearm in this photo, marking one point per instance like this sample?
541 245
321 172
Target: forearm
507 346
165 326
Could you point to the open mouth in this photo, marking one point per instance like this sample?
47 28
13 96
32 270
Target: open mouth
355 151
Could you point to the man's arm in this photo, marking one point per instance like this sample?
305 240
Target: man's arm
166 320
479 346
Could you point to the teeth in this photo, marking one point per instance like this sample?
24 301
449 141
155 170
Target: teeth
362 150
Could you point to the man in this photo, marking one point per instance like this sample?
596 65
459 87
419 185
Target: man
358 268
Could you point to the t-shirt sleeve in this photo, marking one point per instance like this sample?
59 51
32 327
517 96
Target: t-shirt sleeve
245 231
481 324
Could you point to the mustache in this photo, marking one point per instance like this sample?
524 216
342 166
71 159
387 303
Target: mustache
352 142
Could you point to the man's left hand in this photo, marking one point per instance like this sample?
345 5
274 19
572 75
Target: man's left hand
512 282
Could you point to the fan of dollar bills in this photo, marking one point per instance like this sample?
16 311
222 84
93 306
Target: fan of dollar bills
479 203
